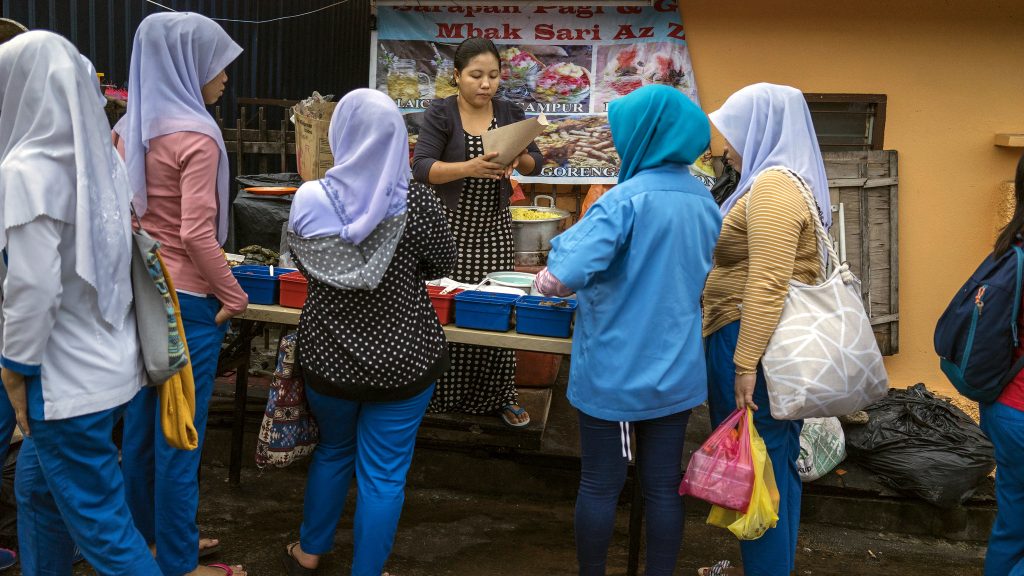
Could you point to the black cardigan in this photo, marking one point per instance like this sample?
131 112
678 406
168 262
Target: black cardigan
441 138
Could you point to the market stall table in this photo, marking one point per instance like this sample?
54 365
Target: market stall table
240 351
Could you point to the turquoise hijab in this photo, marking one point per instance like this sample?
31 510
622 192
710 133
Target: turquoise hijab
654 126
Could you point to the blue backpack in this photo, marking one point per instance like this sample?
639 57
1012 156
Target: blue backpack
976 336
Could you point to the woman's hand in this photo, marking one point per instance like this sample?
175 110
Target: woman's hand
223 315
14 383
515 163
483 167
744 390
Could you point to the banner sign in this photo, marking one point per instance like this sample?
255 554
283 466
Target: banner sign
567 62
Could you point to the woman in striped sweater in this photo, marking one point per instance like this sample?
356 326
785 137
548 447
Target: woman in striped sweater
767 240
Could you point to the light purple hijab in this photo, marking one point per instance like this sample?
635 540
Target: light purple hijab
174 55
770 126
369 182
56 159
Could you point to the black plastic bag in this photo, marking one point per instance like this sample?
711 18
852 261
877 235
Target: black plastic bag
258 219
725 185
922 445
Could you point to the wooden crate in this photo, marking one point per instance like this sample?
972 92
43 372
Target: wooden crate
259 150
867 185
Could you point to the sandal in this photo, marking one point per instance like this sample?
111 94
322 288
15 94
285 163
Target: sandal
720 568
515 410
291 564
228 570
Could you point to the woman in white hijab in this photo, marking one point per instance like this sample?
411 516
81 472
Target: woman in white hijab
768 239
178 168
66 300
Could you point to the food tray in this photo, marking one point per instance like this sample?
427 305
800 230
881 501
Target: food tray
293 288
258 284
535 317
484 310
444 304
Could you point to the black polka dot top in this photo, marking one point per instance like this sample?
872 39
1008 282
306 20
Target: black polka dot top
386 343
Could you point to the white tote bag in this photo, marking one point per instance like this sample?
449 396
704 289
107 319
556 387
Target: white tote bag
823 360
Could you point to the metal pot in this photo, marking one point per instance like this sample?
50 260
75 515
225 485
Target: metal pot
536 235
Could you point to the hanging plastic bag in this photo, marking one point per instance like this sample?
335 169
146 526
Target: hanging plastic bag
722 472
763 512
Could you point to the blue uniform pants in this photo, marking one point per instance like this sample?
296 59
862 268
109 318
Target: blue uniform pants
70 489
604 451
373 441
1004 425
774 554
162 482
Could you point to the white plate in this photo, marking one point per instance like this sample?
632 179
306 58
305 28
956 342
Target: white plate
502 290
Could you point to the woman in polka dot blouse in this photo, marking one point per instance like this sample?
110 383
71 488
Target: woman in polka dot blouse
450 156
370 344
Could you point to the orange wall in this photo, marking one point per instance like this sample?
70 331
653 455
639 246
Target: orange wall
954 75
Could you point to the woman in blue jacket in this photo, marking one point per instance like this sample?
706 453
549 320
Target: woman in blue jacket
637 263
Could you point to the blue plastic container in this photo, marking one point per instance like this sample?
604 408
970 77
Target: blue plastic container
533 318
257 282
484 310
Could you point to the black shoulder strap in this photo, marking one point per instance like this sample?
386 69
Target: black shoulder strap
1014 370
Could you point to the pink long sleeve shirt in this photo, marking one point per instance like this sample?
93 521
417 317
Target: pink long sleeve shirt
181 184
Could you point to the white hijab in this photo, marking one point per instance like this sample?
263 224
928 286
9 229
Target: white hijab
56 159
173 56
770 126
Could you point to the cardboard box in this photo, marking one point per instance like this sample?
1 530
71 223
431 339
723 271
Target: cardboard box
312 148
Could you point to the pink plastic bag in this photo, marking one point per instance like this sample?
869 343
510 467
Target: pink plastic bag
722 471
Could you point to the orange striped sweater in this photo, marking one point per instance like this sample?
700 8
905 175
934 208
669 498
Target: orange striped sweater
761 248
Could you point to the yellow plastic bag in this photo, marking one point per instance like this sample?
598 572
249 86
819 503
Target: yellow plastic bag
178 394
763 512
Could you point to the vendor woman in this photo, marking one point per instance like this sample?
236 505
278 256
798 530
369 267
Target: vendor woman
475 191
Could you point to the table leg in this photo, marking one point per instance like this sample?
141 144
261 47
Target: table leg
241 398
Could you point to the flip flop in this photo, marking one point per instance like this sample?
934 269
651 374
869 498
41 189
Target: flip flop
515 412
228 570
291 564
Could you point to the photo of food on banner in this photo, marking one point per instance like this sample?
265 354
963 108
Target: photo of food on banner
550 79
542 79
622 68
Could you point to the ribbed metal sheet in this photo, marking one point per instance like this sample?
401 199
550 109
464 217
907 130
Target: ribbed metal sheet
328 51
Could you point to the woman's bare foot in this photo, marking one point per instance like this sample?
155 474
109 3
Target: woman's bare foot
308 561
208 546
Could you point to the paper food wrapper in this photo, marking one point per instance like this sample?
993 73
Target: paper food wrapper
510 141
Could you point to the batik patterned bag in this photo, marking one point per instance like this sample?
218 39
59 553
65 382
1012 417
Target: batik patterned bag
289 430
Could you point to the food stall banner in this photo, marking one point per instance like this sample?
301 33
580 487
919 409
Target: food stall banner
567 62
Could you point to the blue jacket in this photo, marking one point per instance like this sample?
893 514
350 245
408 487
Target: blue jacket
638 261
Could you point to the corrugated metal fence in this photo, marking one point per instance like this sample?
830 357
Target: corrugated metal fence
328 51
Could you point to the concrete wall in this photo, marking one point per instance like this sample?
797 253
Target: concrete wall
954 75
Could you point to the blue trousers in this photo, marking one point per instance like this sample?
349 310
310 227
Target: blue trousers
604 454
1004 425
162 482
774 554
70 489
373 441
